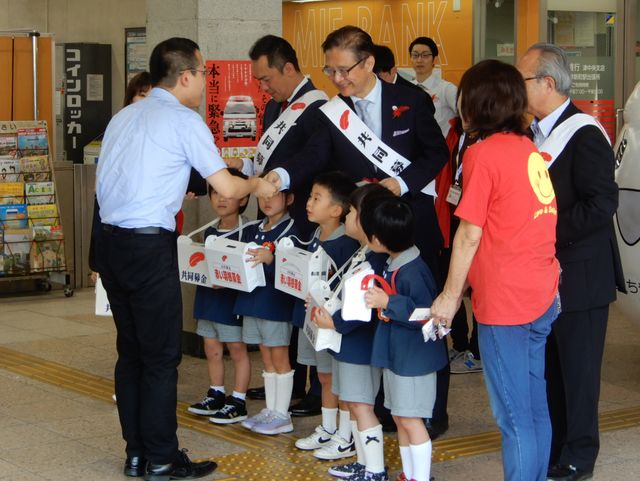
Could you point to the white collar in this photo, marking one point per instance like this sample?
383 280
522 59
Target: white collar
295 90
374 96
546 124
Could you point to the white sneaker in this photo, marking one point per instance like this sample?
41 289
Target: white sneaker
338 448
276 423
257 419
317 439
465 364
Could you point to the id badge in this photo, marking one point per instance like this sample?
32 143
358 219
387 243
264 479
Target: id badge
454 194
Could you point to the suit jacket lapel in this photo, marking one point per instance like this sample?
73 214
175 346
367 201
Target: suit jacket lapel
568 112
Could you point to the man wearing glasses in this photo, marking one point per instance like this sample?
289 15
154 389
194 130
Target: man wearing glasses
402 146
424 52
581 166
148 150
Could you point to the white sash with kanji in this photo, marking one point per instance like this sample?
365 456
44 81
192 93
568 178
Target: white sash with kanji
369 144
278 129
559 137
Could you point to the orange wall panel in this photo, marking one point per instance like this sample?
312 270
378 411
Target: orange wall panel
6 78
390 23
528 25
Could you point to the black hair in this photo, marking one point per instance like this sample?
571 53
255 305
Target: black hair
235 173
425 41
385 60
390 220
277 50
350 38
171 57
339 186
367 190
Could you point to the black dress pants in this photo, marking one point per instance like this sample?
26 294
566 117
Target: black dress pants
140 275
573 364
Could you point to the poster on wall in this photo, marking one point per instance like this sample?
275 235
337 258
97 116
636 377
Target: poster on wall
235 107
135 52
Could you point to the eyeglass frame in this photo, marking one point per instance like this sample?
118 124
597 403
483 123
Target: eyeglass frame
535 77
417 55
203 70
344 72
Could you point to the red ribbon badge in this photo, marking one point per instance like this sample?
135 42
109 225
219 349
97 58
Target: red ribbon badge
398 111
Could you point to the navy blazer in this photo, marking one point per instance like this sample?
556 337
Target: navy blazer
216 304
587 198
357 336
266 302
414 134
399 345
291 144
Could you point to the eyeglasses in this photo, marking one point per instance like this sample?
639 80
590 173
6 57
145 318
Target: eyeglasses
343 72
203 71
424 55
536 77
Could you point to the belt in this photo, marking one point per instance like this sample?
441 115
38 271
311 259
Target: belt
112 229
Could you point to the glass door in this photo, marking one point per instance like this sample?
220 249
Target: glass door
494 30
587 32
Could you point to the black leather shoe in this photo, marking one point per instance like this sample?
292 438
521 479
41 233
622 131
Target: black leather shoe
567 472
134 466
181 468
256 393
310 406
436 428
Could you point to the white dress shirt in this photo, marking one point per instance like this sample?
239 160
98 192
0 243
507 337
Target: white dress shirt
443 94
542 128
146 158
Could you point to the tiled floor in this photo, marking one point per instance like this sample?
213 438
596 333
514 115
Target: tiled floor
57 423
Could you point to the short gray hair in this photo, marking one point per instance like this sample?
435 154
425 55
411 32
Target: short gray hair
553 62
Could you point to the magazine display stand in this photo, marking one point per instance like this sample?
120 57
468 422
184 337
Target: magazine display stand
31 236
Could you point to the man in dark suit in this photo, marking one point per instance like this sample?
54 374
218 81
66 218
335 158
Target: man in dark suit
582 173
398 116
275 66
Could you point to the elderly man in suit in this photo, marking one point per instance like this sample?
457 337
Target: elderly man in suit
581 166
402 146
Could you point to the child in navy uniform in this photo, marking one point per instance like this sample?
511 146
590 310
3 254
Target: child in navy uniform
217 324
408 363
267 317
355 381
327 206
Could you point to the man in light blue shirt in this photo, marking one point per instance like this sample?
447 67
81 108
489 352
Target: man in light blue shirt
147 154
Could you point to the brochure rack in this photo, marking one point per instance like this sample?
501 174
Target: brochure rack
31 235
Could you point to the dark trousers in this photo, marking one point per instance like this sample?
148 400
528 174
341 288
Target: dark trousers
140 275
573 364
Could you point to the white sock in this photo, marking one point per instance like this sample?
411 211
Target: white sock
358 443
407 466
373 447
344 429
421 461
270 389
239 395
217 388
284 388
329 419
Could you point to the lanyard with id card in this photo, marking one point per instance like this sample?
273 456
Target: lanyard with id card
455 191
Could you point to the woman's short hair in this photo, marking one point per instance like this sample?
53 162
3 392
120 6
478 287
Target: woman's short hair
493 99
350 38
140 82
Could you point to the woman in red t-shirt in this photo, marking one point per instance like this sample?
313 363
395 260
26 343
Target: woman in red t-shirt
505 250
